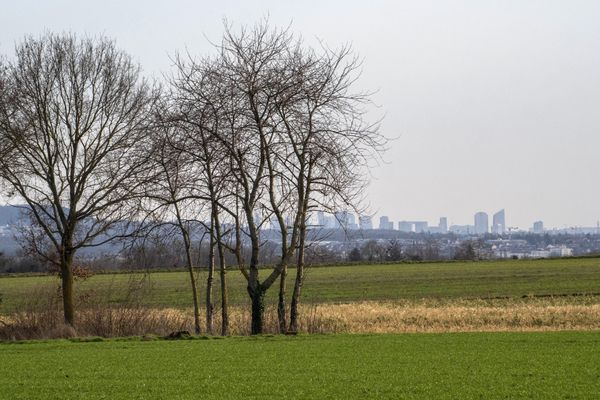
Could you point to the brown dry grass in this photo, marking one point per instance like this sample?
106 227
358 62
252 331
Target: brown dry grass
380 317
362 317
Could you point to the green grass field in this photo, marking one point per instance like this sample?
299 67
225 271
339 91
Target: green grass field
340 283
563 365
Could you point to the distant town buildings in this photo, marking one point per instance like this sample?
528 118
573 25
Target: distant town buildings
520 248
481 223
417 239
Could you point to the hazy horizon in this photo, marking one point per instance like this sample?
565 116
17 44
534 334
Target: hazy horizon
494 104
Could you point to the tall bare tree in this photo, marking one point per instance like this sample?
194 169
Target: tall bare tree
195 112
329 138
74 117
291 135
172 201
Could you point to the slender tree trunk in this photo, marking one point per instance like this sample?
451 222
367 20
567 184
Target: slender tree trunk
209 282
223 272
66 276
224 301
281 307
294 313
190 265
255 289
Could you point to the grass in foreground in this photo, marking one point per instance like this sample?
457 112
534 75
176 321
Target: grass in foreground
512 278
563 365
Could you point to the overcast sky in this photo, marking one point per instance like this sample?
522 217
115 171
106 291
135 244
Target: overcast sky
495 104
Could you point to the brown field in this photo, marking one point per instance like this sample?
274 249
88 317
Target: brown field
381 317
456 315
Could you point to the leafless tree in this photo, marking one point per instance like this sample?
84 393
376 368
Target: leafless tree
301 141
251 63
329 140
172 201
196 111
282 132
74 118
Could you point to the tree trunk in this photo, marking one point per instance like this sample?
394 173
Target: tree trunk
209 283
190 266
258 310
255 289
281 311
66 275
223 272
224 302
294 313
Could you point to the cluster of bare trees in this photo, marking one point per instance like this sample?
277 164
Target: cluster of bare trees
266 130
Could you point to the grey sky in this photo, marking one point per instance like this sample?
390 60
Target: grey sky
496 103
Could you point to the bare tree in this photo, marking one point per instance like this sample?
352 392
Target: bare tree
290 136
328 137
251 63
303 141
196 113
172 202
74 117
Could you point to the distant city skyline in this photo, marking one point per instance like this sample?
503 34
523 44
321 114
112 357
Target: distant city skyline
469 220
492 219
492 104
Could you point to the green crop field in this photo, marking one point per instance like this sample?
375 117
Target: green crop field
564 365
339 283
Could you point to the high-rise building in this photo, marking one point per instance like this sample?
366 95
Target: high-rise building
413 226
405 226
341 219
481 223
365 222
538 227
443 225
420 226
499 223
385 223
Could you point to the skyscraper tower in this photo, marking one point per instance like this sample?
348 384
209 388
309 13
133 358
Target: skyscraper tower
385 223
443 225
481 223
499 223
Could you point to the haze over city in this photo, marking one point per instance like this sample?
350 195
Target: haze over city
493 104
